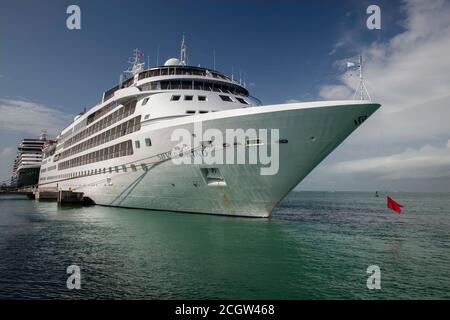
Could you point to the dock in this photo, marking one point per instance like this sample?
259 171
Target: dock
70 197
62 197
8 191
46 194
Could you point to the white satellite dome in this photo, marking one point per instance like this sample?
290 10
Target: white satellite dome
172 62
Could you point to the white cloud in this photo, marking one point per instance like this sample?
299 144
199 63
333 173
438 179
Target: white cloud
426 162
24 119
337 45
30 118
410 76
413 67
335 92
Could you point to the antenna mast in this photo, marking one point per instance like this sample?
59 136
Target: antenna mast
361 87
183 53
136 64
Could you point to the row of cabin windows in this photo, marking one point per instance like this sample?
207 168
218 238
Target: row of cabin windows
118 150
199 111
125 111
83 173
181 70
195 85
148 143
203 98
101 112
229 99
187 98
125 128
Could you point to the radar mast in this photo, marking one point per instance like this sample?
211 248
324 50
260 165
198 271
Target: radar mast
183 53
135 62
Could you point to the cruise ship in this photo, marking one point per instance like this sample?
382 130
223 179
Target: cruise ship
122 152
27 162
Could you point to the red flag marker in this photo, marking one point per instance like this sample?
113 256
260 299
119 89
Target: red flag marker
391 204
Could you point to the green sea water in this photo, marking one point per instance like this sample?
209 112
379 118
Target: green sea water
317 245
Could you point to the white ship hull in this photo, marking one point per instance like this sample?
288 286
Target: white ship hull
311 131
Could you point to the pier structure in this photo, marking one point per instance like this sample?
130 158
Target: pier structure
62 197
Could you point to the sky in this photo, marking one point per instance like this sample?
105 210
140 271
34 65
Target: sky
286 51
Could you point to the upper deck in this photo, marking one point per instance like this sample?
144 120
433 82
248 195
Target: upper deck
179 72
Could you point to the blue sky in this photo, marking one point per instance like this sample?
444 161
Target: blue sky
281 47
286 50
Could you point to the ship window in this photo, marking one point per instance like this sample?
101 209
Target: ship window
188 98
190 111
110 170
254 142
145 101
148 142
116 168
186 84
137 144
203 111
133 167
146 116
201 98
175 98
208 86
175 84
165 85
124 168
225 98
241 100
198 85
